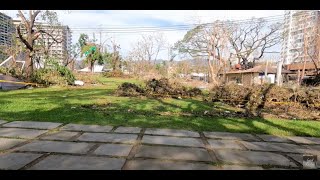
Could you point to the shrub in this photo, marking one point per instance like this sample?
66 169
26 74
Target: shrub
48 77
66 73
14 71
3 70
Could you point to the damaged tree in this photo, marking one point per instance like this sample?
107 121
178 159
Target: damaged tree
91 52
208 42
32 34
253 38
115 58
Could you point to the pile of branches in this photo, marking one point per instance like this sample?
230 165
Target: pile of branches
231 94
130 89
270 98
159 88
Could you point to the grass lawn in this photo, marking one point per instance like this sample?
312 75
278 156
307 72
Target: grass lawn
98 105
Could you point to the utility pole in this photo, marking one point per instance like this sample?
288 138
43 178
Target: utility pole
100 40
266 71
304 52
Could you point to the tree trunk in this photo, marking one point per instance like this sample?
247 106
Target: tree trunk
213 75
28 64
92 66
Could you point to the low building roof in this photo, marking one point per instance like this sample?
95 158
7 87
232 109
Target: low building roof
259 69
299 66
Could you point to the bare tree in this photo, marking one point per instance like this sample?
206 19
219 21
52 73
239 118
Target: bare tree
312 47
255 36
114 58
31 34
72 55
145 51
149 46
208 42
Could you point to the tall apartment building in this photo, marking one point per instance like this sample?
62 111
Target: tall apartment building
301 28
6 32
59 49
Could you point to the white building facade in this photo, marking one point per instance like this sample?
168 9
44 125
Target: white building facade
6 32
300 29
58 50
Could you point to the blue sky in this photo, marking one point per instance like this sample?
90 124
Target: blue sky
146 18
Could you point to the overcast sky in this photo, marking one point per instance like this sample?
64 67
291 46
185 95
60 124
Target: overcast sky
146 18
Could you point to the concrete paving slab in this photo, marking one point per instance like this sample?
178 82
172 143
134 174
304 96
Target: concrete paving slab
2 122
58 147
128 130
110 137
238 167
86 128
176 153
114 149
312 149
66 162
61 135
253 158
9 143
172 132
305 140
152 164
224 144
15 161
271 138
278 147
175 141
21 133
32 124
232 136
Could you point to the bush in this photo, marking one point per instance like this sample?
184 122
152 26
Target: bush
63 71
48 77
15 72
3 70
66 73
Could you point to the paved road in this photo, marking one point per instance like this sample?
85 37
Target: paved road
27 145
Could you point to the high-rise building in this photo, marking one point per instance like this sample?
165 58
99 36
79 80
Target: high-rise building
301 30
6 32
58 50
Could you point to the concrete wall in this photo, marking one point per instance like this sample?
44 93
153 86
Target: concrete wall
247 79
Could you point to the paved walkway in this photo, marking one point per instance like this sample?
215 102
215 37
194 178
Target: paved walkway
30 145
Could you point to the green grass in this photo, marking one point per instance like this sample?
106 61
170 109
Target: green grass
99 105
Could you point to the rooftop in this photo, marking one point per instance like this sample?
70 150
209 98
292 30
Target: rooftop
259 69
